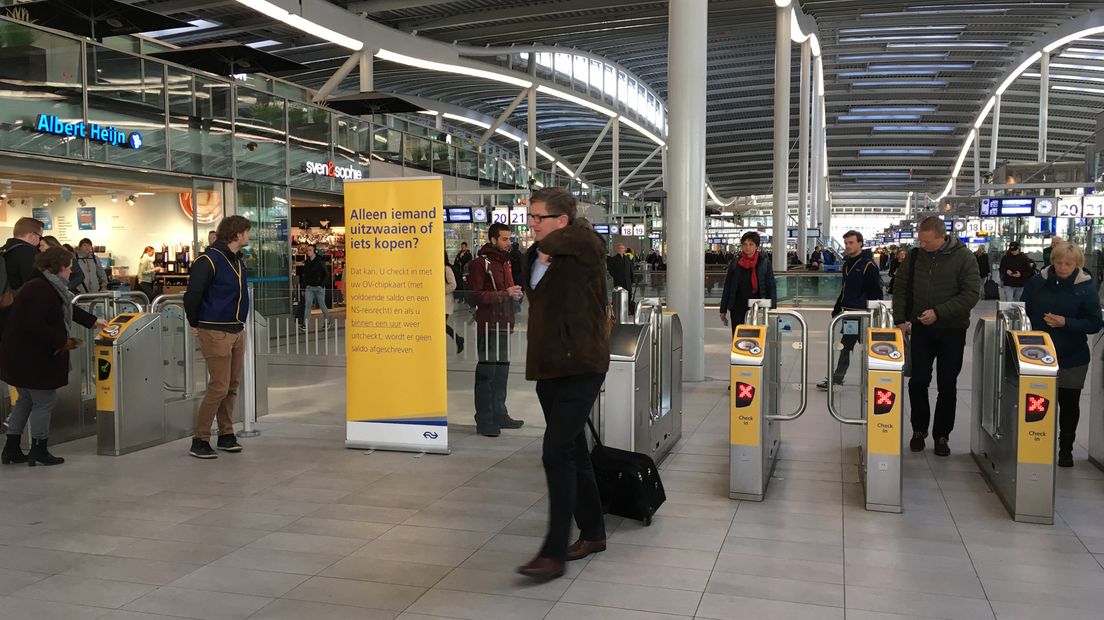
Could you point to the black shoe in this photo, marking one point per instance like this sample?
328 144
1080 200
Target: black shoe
823 385
459 345
201 449
1065 458
489 432
941 447
229 443
13 453
511 423
39 454
916 444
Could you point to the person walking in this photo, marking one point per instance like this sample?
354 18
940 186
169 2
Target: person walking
862 282
898 258
450 305
1062 301
94 278
568 356
622 270
985 268
1015 270
34 353
493 293
316 278
217 305
21 250
146 272
1055 241
937 288
748 277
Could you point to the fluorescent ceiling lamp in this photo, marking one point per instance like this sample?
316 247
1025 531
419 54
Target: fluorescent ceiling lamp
432 65
545 154
816 46
890 181
561 165
861 173
1073 78
944 9
1015 74
1062 65
960 44
921 128
305 25
946 191
782 3
884 56
869 152
262 44
899 37
943 66
796 35
1073 37
926 108
577 100
464 119
901 28
712 196
879 117
651 136
985 112
962 156
1079 89
198 24
877 83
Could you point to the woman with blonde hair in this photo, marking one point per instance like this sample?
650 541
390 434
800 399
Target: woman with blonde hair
1062 301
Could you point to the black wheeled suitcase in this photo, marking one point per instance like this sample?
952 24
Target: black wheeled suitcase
628 482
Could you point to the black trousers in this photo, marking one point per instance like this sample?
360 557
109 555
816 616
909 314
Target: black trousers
572 489
848 341
1069 414
492 377
941 348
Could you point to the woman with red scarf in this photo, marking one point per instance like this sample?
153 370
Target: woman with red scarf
749 277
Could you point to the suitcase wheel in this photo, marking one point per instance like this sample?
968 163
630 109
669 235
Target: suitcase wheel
647 521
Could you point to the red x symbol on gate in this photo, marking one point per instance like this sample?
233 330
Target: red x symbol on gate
883 397
746 391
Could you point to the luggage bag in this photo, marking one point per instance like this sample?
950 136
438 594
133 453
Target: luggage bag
628 482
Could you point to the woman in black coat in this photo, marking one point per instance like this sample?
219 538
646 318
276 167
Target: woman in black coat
34 353
749 276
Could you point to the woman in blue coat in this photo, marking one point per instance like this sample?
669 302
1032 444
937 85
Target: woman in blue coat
1062 301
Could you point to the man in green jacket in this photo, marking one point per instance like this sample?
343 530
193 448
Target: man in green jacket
936 288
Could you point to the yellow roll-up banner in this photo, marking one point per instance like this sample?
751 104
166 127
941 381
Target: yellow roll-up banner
395 304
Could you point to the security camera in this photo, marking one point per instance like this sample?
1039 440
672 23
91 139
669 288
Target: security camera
82 202
131 199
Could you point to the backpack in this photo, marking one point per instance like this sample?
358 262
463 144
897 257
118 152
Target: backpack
7 297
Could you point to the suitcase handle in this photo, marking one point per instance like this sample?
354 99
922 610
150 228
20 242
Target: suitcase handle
594 432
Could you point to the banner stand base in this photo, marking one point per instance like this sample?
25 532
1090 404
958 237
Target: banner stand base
397 436
391 447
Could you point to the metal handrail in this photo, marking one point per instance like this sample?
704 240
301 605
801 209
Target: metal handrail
112 298
757 308
177 299
804 364
849 314
1004 308
882 312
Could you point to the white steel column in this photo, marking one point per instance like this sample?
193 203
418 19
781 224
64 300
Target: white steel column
1044 104
803 151
977 161
994 136
816 154
781 136
531 121
615 182
367 72
686 66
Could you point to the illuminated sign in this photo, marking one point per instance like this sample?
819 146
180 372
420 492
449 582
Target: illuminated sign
91 131
1037 407
745 395
883 401
328 169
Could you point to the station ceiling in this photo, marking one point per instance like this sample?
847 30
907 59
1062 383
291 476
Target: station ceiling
904 81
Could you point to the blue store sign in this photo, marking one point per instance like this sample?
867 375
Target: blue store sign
108 135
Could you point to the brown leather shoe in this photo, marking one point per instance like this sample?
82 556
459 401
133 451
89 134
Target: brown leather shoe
542 568
582 548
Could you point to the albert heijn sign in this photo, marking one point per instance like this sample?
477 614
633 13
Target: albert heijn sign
328 169
48 123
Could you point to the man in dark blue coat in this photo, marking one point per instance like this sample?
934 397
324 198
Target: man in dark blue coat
862 282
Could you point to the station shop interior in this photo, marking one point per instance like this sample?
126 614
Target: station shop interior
678 126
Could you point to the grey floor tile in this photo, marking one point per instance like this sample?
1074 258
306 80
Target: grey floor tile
152 572
655 556
784 549
79 542
46 561
641 574
411 552
575 611
725 607
307 543
1051 595
890 601
238 580
123 614
372 514
905 576
12 580
337 527
1023 611
774 588
764 566
171 551
508 561
84 591
286 609
16 607
505 583
225 517
475 606
452 537
278 561
357 593
639 598
199 604
387 571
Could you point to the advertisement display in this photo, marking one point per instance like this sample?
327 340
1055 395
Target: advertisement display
396 396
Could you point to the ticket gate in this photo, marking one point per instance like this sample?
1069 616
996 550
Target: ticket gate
757 375
1096 400
130 403
881 402
1014 425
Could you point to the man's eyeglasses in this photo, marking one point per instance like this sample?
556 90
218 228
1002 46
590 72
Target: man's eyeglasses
541 218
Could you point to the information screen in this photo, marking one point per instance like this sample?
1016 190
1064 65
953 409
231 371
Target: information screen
747 333
601 229
883 336
1017 206
1032 340
458 215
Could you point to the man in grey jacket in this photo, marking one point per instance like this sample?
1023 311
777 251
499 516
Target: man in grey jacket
95 278
936 289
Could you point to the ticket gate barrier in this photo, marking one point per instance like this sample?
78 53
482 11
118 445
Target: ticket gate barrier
881 402
130 406
1014 425
640 406
757 375
1096 403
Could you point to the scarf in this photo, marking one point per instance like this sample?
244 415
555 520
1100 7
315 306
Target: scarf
62 287
749 262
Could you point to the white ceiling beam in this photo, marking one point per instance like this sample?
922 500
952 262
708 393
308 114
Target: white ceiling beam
502 117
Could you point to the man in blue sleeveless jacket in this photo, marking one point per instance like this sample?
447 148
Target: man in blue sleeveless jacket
862 282
217 305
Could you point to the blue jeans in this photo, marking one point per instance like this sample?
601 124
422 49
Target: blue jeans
36 406
1011 293
315 293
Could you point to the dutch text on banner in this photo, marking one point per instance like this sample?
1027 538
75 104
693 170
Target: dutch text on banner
395 304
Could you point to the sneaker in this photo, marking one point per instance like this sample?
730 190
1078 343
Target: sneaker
229 443
823 385
1065 459
941 447
302 328
512 423
201 449
917 442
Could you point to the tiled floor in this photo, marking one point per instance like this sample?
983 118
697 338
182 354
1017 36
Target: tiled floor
297 527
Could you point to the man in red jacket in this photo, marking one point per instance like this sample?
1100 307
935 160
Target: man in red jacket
493 292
